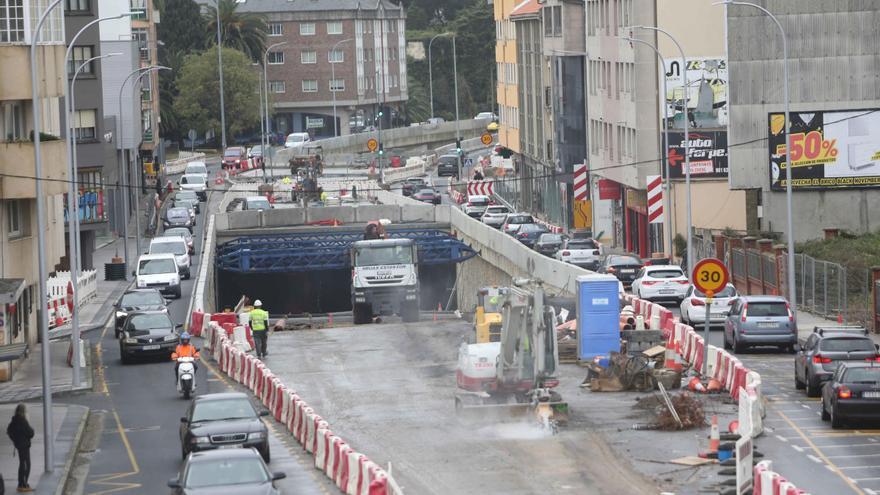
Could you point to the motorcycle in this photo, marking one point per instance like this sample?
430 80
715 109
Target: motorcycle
186 376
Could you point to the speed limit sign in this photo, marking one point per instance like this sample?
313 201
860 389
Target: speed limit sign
710 276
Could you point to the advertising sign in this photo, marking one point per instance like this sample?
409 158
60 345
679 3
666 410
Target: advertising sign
708 151
707 92
829 150
314 122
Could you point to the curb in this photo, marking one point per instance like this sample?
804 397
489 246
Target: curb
74 447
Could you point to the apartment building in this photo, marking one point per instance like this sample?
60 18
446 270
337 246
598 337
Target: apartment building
353 49
507 93
19 272
143 30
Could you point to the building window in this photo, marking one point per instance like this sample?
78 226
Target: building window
308 57
310 85
276 86
334 27
13 121
337 85
147 123
557 20
275 29
336 56
84 124
11 21
139 7
17 219
547 14
77 5
391 25
91 196
142 37
275 58
147 89
78 55
307 29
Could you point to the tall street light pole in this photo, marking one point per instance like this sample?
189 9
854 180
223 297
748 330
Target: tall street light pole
42 322
220 70
792 292
262 123
266 95
664 139
332 80
457 123
431 74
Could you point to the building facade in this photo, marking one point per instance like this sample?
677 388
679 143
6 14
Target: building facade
506 73
353 50
143 30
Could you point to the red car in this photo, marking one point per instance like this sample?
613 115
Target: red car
233 157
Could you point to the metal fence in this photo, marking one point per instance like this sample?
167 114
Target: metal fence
833 290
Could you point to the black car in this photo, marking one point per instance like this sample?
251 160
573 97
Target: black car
137 300
184 198
215 421
177 217
427 195
413 184
623 266
222 472
820 354
547 244
529 233
853 393
148 333
448 165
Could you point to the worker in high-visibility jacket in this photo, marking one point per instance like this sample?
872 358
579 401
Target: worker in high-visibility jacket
259 319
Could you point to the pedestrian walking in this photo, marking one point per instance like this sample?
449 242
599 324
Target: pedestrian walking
21 433
259 326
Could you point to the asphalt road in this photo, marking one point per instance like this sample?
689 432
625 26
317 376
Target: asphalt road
131 444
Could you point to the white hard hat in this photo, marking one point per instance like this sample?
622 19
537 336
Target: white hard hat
258 303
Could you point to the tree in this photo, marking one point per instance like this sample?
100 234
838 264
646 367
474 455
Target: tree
197 103
418 108
243 31
182 32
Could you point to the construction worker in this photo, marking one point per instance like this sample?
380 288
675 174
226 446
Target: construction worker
260 327
184 349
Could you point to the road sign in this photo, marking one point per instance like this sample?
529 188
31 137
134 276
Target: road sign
468 162
710 276
70 295
486 139
192 134
372 144
655 199
580 182
480 188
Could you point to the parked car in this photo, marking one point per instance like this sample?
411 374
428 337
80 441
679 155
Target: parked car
427 195
513 221
175 245
195 183
188 197
447 165
693 306
413 184
548 244
297 140
196 168
238 471
853 393
178 217
623 266
580 252
495 215
820 354
255 153
232 158
486 116
661 283
148 333
256 203
529 233
137 300
215 421
182 232
760 320
476 205
158 271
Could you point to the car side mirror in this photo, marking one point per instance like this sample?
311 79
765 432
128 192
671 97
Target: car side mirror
179 325
183 419
133 273
877 346
167 301
174 483
264 413
278 475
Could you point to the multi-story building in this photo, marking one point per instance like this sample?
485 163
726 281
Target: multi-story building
506 74
143 30
351 48
835 120
19 271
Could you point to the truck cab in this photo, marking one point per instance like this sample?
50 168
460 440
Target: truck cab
384 279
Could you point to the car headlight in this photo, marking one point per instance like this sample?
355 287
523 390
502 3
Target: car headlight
121 314
200 440
131 340
257 435
169 338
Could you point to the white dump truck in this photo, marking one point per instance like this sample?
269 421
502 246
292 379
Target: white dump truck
384 279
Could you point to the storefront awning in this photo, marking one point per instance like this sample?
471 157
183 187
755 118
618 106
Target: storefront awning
11 289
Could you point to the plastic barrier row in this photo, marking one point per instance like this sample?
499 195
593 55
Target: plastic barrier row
767 482
352 472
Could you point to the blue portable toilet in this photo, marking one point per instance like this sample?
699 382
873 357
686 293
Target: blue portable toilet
598 316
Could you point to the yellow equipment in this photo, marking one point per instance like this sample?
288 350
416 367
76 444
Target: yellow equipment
487 319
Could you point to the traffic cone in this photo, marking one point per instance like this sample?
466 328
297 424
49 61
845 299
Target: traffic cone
714 436
695 385
839 319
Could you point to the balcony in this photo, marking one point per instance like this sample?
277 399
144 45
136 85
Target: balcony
18 160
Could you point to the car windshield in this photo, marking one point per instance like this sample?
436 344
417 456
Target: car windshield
428 192
177 213
448 159
728 291
149 322
497 209
225 472
155 267
232 152
141 299
196 168
177 248
294 139
582 244
186 195
867 374
192 179
551 238
665 273
767 309
386 255
258 204
532 227
846 344
179 232
516 219
213 410
478 201
624 260
416 182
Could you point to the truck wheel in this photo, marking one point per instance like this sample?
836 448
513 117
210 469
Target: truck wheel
359 314
409 313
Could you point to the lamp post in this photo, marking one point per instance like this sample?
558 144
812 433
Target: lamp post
457 125
430 74
332 79
687 145
42 322
664 141
220 71
792 293
266 96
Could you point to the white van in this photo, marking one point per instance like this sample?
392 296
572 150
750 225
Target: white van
173 245
196 168
297 139
158 271
196 183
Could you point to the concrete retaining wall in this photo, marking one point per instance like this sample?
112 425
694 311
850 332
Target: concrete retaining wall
178 166
291 217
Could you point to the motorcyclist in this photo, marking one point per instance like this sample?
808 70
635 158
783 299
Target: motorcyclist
184 349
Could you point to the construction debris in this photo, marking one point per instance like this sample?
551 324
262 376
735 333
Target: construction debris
689 410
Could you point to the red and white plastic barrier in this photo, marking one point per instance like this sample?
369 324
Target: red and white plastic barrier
768 482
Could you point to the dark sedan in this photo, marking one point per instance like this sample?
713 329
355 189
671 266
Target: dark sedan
547 244
148 333
623 266
529 233
413 184
215 421
427 195
225 472
853 393
137 300
178 217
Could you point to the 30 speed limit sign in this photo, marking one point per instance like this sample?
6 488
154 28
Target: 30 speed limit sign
710 276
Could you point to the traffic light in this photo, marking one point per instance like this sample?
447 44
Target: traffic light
381 148
381 113
458 146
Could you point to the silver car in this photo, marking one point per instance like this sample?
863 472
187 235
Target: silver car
821 353
760 321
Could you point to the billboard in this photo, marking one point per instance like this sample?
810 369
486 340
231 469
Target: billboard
707 92
829 150
708 151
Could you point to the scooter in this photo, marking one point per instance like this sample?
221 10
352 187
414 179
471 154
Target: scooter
186 376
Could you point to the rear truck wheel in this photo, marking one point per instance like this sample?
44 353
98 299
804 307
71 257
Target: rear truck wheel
825 415
359 315
409 312
812 389
836 420
798 384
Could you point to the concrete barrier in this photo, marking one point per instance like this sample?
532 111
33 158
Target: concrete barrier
284 217
415 169
178 166
370 213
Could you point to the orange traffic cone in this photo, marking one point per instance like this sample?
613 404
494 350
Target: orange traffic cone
695 385
714 436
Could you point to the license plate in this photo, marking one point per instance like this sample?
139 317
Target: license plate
871 395
151 347
667 291
768 325
627 271
229 446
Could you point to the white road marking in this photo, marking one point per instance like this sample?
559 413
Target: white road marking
797 447
852 456
781 438
814 459
870 492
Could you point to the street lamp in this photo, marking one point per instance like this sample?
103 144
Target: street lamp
430 74
664 141
266 96
687 145
220 70
332 79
